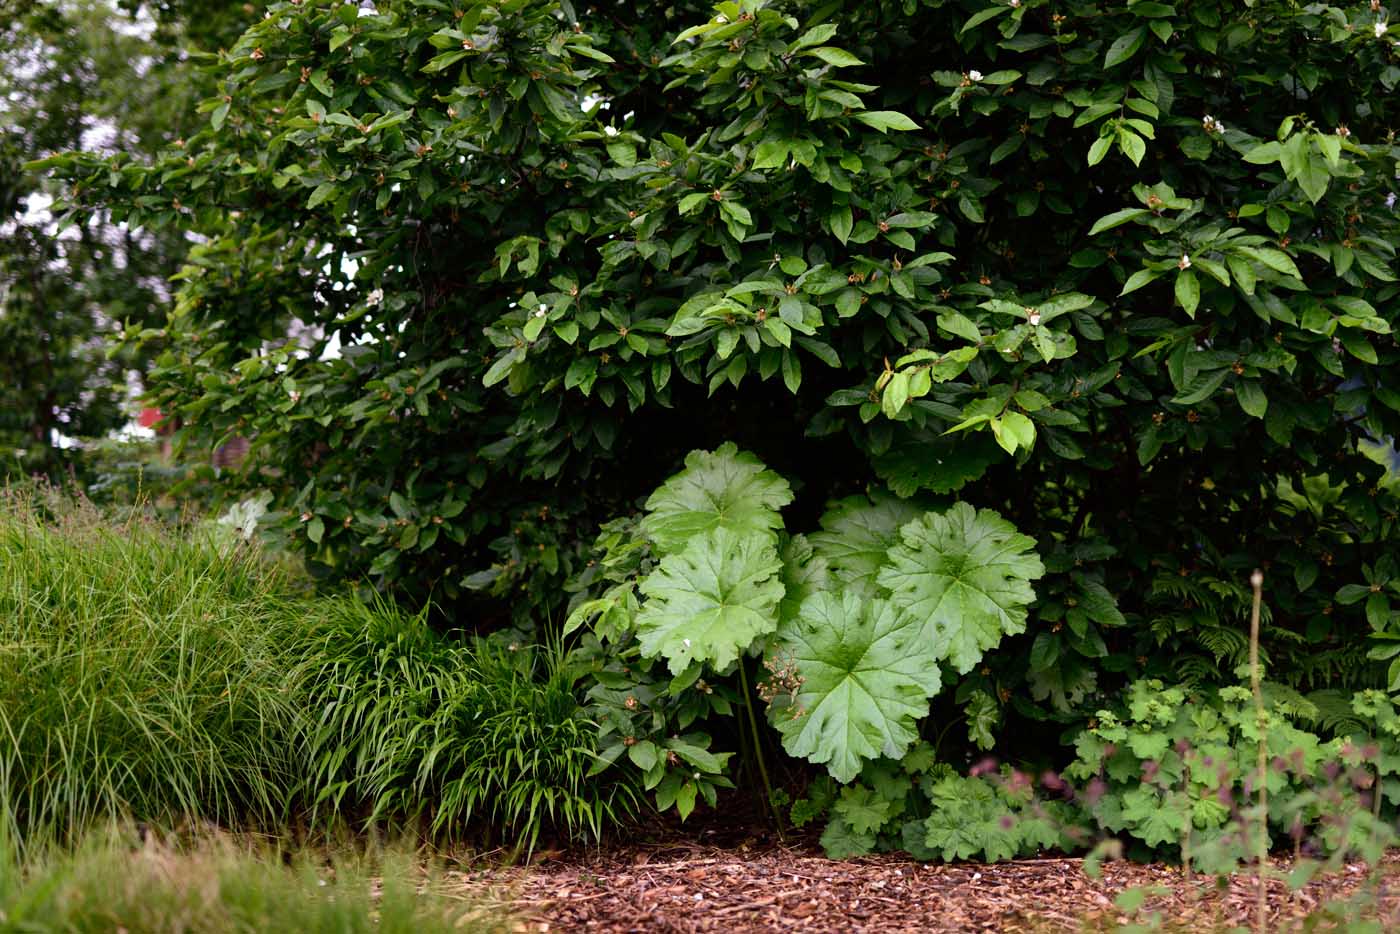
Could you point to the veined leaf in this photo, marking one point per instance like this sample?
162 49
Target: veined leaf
968 818
834 56
1151 820
934 462
857 532
728 489
1125 47
964 575
1188 291
711 601
839 841
863 809
1252 398
885 120
1109 221
1276 260
1138 279
983 716
867 677
804 573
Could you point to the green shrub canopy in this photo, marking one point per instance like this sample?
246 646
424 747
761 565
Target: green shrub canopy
1122 272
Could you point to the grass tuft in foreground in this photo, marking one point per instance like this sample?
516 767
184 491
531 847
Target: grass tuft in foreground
115 881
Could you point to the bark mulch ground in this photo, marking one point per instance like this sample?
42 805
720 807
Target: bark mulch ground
760 886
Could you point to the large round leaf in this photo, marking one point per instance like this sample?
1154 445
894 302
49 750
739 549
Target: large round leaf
711 601
728 489
866 680
964 577
926 460
804 573
856 534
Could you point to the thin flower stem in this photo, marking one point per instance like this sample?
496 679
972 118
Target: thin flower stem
758 748
1261 906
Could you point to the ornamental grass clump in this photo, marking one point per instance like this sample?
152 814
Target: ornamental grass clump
451 734
144 673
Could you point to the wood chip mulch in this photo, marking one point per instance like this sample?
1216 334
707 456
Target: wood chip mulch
680 887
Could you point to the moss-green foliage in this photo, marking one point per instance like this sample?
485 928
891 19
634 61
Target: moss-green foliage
1174 767
114 881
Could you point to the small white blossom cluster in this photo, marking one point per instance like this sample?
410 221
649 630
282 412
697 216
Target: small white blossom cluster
1184 262
375 297
1380 28
974 75
1212 125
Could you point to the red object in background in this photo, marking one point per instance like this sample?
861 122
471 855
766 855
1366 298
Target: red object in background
155 418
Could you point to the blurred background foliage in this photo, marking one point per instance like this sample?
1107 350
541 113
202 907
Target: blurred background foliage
84 74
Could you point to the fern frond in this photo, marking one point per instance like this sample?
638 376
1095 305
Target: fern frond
1196 670
1334 713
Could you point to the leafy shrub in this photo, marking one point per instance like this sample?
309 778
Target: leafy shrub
113 881
700 584
1122 272
415 725
143 674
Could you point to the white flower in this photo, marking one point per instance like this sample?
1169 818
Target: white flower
1184 262
541 311
1390 200
376 297
1015 3
974 75
1380 29
1212 125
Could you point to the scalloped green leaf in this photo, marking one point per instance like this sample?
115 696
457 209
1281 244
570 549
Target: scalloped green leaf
863 809
940 464
1151 820
839 841
968 818
867 676
804 573
711 601
983 717
856 534
726 488
964 576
